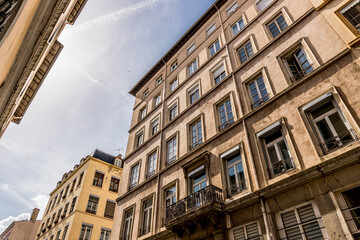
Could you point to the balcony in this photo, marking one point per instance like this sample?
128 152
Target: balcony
300 74
195 144
226 124
339 141
280 167
195 209
150 174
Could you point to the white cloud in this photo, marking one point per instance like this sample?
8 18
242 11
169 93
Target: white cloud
7 221
40 201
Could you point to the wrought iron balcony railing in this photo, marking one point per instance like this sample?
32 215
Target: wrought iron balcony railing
132 186
281 166
226 124
195 144
300 74
144 230
260 101
339 141
171 160
150 174
207 195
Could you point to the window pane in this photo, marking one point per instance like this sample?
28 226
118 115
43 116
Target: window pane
284 150
338 123
324 130
272 154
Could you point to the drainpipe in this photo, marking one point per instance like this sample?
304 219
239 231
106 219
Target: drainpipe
266 222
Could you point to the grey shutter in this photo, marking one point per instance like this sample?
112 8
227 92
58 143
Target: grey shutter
239 233
310 225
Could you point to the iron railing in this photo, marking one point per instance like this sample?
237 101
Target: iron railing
260 102
226 124
207 195
144 230
195 144
171 160
281 166
131 186
150 174
339 141
236 188
299 75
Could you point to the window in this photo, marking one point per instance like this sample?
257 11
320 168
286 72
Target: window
80 178
85 233
65 210
147 214
211 29
330 126
299 64
98 179
65 231
66 190
173 111
157 100
142 113
134 178
171 150
248 231
192 67
139 138
191 49
219 74
198 180
301 223
114 184
72 205
159 81
173 66
245 52
117 162
145 93
194 94
58 217
262 4
151 165
155 126
225 114
351 13
214 48
49 206
92 204
60 195
73 185
196 137
128 224
170 196
173 85
105 234
52 220
58 235
42 227
235 171
277 152
232 8
109 209
52 237
277 25
351 210
54 202
238 26
258 92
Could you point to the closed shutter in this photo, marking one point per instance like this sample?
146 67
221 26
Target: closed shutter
239 233
290 222
109 209
311 226
252 231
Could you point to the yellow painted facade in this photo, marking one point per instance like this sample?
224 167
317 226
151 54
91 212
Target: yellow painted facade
82 191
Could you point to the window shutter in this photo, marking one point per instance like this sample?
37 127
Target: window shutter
289 220
219 71
312 230
239 233
109 209
252 231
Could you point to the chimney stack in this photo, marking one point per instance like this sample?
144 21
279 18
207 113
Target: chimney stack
34 214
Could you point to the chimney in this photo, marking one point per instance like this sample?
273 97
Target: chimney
34 214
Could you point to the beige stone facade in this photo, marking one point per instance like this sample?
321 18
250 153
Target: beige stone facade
248 128
82 204
29 30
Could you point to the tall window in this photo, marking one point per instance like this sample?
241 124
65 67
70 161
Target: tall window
214 48
155 126
65 210
196 134
60 195
245 52
170 196
157 100
66 191
198 181
173 85
352 210
58 235
105 234
72 205
299 64
139 138
238 26
230 10
235 172
247 231
171 150
134 178
73 185
142 113
92 204
98 179
109 209
80 178
173 111
151 165
65 231
225 114
52 237
147 214
330 126
277 152
54 202
258 92
48 209
85 233
114 184
351 13
301 223
262 4
127 224
194 94
219 74
192 67
58 216
277 25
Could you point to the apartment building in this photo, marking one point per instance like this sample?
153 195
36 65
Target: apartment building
83 203
248 128
29 30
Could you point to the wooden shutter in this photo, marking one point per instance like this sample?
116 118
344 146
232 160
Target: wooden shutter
109 209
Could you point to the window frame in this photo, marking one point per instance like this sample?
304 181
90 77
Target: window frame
90 210
175 80
260 73
195 121
222 101
175 154
142 113
242 46
131 222
157 100
215 69
139 141
158 81
111 188
155 164
132 185
245 230
192 67
86 225
209 31
262 10
196 87
239 29
191 49
145 94
146 210
97 182
171 106
213 44
230 6
106 230
343 19
174 66
154 120
113 213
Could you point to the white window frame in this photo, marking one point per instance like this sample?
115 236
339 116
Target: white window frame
139 138
128 222
192 68
151 164
174 66
245 230
155 124
259 1
172 106
174 84
159 81
86 225
170 158
213 45
134 176
142 113
148 211
145 93
211 29
232 8
191 49
238 27
157 100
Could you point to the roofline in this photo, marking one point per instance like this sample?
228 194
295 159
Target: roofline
180 43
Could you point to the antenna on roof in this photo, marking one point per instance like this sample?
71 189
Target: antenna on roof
118 150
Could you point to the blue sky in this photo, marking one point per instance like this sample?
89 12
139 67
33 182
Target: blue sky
84 102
